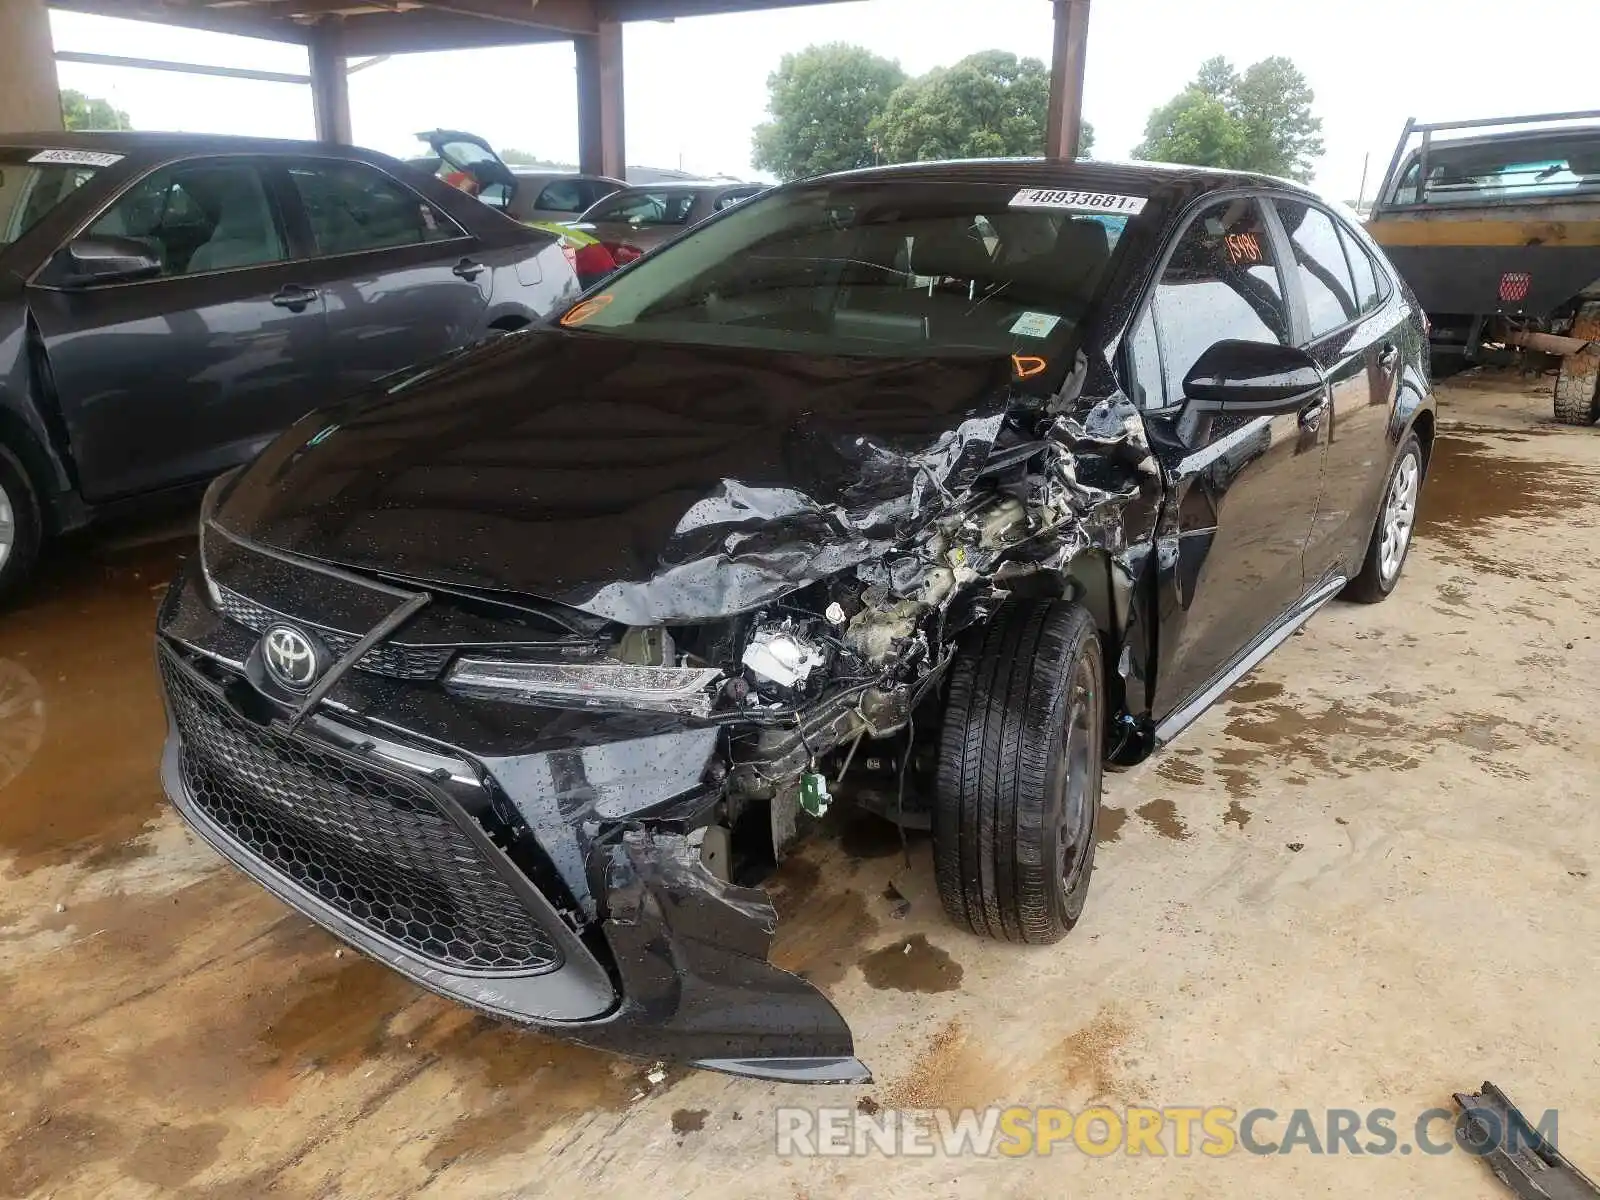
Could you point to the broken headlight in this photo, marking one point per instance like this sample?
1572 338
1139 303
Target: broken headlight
683 690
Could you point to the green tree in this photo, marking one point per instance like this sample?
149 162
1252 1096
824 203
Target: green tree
90 112
1258 121
1273 101
1193 127
823 101
989 105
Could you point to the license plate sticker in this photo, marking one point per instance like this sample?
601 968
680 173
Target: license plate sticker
1072 201
77 158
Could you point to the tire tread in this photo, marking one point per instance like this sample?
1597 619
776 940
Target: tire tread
990 838
1577 400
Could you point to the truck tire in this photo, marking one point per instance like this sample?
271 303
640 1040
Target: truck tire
1578 385
1017 789
20 527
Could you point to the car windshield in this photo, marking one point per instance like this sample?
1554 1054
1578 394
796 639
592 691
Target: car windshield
877 267
29 190
1559 165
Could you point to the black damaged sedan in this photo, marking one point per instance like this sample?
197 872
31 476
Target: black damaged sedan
935 489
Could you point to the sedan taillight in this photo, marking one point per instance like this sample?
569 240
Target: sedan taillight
624 253
593 262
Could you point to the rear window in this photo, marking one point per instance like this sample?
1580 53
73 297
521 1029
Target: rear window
1522 168
888 267
645 208
31 185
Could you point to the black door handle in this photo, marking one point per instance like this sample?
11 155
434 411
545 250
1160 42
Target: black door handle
295 298
468 269
1388 356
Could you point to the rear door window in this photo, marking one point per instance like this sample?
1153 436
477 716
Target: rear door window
205 215
1369 291
1320 267
1220 284
352 207
1558 164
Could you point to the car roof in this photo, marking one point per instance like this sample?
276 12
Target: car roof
1088 174
690 185
139 143
553 175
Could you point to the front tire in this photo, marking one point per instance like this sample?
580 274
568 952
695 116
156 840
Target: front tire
21 528
1391 533
1018 783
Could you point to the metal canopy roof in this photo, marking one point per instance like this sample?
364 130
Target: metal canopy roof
400 26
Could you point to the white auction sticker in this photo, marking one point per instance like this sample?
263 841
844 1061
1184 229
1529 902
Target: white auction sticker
1035 324
77 158
1103 202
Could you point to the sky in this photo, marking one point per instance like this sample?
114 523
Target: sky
696 88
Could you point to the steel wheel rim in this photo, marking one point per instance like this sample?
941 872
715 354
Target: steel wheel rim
8 526
1399 517
1077 776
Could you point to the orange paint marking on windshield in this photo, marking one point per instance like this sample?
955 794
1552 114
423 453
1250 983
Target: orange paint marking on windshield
1029 365
586 310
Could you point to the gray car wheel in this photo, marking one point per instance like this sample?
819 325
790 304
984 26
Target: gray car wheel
1392 532
19 526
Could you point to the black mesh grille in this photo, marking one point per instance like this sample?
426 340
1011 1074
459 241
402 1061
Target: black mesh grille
371 845
236 608
401 662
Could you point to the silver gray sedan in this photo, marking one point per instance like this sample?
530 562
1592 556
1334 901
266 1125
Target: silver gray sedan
636 220
557 196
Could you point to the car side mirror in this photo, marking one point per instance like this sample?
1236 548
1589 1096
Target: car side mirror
88 260
1251 379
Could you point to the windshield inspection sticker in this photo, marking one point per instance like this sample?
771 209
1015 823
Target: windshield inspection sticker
1078 201
77 158
1035 325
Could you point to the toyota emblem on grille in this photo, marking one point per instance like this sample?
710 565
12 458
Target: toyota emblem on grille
291 658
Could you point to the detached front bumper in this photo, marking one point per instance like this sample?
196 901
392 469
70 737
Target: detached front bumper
418 857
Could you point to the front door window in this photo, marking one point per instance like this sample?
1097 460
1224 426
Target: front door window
208 215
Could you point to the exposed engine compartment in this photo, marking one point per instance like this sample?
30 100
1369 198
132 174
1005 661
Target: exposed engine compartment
804 681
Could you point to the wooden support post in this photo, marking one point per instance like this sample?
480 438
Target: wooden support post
29 99
1065 128
602 143
330 83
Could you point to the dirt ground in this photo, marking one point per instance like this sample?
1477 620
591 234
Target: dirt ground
1367 878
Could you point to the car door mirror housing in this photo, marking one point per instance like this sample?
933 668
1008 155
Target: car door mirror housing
88 260
1251 378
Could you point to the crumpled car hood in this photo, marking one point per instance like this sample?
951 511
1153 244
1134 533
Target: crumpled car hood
647 483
